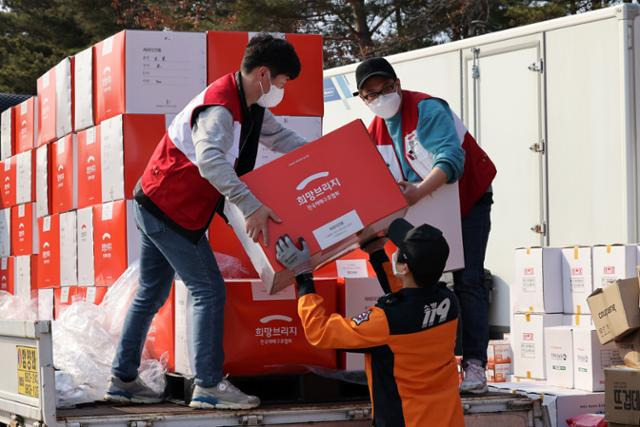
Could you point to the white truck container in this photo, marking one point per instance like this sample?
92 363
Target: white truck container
555 106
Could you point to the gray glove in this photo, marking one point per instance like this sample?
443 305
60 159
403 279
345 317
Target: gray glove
294 259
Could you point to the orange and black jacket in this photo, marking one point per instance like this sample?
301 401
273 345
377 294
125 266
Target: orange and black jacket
408 339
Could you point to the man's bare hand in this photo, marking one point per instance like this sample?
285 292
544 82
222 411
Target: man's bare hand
257 223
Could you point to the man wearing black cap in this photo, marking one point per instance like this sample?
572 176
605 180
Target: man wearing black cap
409 336
425 146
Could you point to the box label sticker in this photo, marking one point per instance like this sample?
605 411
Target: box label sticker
107 46
352 268
28 375
107 211
64 295
23 108
20 211
91 295
91 135
338 229
46 223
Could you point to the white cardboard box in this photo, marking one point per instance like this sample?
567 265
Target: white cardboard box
43 181
5 232
612 262
578 320
68 249
24 176
45 304
184 350
64 107
558 343
577 283
6 133
528 343
23 284
538 281
590 358
83 87
85 247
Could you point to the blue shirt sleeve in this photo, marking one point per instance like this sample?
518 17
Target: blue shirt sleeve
437 134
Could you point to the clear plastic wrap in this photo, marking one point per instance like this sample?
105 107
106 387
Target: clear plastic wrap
16 308
230 266
85 337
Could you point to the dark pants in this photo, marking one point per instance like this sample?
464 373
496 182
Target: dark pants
469 285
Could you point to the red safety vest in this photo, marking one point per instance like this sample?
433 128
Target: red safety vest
479 170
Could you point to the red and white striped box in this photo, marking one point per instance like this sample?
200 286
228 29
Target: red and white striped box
26 125
8 172
64 174
55 102
89 170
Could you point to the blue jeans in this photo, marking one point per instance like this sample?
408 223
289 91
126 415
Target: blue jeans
469 285
164 253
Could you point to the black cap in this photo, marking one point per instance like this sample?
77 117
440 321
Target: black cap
373 67
424 249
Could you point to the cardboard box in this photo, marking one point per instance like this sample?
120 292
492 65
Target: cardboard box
629 349
45 304
499 372
64 192
83 89
614 309
43 181
7 134
5 232
48 270
590 358
55 102
7 274
302 96
24 230
578 320
148 72
257 323
116 241
499 352
26 125
68 249
86 275
9 177
613 262
23 284
89 170
528 343
320 198
356 296
559 356
577 283
622 388
126 144
538 281
25 171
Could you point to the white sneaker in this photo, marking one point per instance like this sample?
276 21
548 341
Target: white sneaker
475 380
223 396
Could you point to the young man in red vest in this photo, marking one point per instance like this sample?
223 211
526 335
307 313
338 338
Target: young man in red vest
196 165
426 146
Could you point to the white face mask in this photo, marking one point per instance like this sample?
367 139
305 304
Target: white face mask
386 106
271 98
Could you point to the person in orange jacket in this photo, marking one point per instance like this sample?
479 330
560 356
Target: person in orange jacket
408 337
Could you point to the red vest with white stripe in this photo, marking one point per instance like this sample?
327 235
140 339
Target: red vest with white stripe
171 179
479 170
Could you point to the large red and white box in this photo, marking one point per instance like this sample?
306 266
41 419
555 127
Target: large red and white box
55 102
319 196
68 249
86 276
83 88
257 323
359 295
7 133
527 332
64 171
26 125
538 281
5 232
25 172
126 144
48 266
613 262
577 283
24 230
116 242
89 170
43 180
148 72
9 177
303 96
7 274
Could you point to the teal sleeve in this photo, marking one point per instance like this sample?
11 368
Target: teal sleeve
437 134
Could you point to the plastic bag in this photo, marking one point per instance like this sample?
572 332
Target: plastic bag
85 338
230 266
16 308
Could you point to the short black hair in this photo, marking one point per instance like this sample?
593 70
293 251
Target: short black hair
275 53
